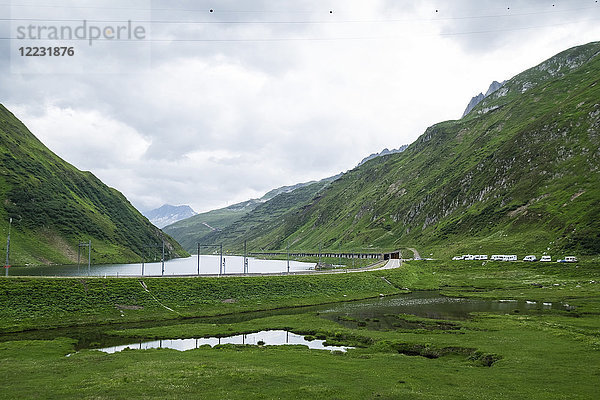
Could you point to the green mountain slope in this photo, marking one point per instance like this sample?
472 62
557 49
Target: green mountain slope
54 206
238 222
192 230
520 174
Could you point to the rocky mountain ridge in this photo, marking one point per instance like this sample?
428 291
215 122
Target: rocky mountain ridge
495 85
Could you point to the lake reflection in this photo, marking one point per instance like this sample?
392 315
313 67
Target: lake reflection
209 265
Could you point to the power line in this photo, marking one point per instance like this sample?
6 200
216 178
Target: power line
506 14
301 22
323 39
311 11
207 10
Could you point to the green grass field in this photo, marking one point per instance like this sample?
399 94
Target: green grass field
544 354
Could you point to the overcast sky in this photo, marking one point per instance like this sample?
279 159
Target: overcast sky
213 108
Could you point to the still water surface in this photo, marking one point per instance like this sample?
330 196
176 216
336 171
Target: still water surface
209 265
430 304
268 338
381 314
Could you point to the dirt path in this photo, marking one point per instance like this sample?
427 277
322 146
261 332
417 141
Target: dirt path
154 297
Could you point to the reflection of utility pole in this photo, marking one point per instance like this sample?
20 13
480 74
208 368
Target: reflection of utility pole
221 258
7 264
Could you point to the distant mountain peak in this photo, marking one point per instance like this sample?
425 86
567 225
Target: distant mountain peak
168 214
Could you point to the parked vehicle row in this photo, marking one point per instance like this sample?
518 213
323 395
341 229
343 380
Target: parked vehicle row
512 257
470 257
568 259
503 257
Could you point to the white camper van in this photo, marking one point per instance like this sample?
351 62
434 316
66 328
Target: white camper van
569 259
530 258
510 258
497 257
546 259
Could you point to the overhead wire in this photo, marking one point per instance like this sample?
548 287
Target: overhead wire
292 22
440 17
285 39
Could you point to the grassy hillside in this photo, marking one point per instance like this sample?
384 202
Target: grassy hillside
27 303
54 206
192 230
230 224
519 174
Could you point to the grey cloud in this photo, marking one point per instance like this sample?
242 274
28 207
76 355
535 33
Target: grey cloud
480 26
225 120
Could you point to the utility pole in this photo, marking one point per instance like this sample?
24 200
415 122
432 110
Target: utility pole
151 255
245 259
90 257
163 259
320 253
142 262
7 264
221 258
288 256
89 246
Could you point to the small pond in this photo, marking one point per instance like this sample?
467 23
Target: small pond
382 313
266 338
